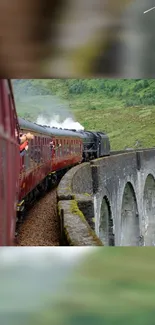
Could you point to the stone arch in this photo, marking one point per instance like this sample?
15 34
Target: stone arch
149 210
106 234
130 231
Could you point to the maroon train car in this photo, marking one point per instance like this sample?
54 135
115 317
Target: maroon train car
44 161
9 163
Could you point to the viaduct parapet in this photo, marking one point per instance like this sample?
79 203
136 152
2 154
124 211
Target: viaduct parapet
110 201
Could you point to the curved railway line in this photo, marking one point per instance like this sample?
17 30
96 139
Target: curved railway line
41 225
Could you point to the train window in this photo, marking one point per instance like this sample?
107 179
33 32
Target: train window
10 115
64 148
67 148
26 160
74 146
32 145
45 149
3 187
31 152
2 105
56 148
60 151
36 151
41 150
61 143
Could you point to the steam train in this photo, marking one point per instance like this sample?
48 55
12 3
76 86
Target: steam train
50 154
43 163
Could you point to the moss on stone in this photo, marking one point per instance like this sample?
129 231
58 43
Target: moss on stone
75 210
59 209
86 194
66 188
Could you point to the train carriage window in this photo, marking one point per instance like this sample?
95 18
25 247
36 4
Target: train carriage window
48 149
2 107
34 151
37 156
60 147
56 148
45 149
3 187
41 150
64 148
11 117
26 160
75 146
31 152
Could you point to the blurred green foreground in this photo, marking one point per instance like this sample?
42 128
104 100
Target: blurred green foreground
105 286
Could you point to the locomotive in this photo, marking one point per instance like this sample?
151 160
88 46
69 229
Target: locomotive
95 145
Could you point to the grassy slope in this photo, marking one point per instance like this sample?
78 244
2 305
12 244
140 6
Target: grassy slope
111 286
97 106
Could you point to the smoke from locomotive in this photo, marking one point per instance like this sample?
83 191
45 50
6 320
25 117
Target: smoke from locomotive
55 121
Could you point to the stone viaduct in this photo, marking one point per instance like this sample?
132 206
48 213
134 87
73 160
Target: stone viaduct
110 201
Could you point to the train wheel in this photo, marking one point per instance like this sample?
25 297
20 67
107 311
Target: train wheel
42 187
97 154
54 179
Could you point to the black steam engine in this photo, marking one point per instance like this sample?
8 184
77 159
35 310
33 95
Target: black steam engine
95 145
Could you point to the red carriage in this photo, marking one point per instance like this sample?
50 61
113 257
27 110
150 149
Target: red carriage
50 153
9 163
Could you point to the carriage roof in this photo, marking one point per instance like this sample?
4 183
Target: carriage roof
34 127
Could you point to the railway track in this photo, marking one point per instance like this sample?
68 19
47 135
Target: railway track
41 226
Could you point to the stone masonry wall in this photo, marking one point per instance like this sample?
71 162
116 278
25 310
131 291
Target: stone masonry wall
75 207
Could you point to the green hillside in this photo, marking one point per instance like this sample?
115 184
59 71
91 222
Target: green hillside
111 286
123 108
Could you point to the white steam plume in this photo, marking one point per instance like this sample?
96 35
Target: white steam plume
55 121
